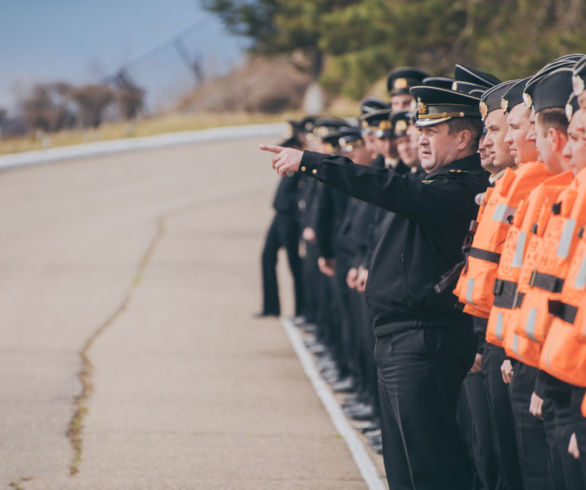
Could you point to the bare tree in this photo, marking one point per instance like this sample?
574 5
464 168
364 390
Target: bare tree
48 107
92 100
130 97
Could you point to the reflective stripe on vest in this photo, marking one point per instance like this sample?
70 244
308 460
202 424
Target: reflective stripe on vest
519 250
470 291
503 213
581 277
566 239
530 325
500 326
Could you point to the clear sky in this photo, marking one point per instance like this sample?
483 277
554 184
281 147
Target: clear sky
83 40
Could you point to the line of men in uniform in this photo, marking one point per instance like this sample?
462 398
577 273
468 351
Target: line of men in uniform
457 256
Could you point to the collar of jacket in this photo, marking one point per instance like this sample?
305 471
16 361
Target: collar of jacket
463 165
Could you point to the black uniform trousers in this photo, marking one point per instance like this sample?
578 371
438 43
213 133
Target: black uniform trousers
579 426
558 422
473 414
501 419
419 373
531 442
283 232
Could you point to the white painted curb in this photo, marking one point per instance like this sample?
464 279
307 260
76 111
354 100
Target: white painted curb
365 465
133 144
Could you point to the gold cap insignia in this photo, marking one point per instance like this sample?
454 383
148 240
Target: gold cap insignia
504 104
421 107
413 105
577 85
364 124
322 132
401 126
400 83
483 109
569 111
385 125
527 99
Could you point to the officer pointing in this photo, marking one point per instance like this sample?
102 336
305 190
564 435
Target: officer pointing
431 341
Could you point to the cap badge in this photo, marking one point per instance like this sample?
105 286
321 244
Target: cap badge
364 124
504 104
385 125
400 83
578 84
421 107
322 132
527 99
401 126
569 111
483 109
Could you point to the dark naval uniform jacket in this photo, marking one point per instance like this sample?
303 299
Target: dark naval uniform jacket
423 241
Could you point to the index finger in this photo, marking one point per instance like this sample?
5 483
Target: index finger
271 148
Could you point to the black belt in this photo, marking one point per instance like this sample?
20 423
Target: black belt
563 311
478 253
547 282
505 293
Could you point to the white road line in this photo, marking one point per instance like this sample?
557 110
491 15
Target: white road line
359 453
133 144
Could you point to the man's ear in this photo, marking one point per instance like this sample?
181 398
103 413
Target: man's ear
463 139
557 138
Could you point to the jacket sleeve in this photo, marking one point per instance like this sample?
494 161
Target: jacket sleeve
424 200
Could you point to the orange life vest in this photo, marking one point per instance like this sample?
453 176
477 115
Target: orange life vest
475 286
519 241
564 349
560 238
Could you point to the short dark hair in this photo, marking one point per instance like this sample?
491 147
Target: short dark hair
554 117
472 124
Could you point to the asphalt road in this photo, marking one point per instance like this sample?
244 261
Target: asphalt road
128 355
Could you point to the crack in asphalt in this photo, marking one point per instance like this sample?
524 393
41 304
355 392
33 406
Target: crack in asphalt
76 426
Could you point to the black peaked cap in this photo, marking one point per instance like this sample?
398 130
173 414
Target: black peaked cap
401 122
350 134
467 87
514 95
441 82
550 91
437 105
542 73
400 80
326 126
373 118
579 76
491 100
373 104
464 73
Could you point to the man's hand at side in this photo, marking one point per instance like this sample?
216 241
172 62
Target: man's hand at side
284 159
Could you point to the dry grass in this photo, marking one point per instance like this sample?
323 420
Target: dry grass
169 123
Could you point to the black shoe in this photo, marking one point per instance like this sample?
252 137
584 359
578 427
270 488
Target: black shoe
262 314
343 386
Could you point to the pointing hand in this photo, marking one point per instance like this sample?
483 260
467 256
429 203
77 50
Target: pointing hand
284 159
